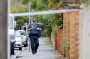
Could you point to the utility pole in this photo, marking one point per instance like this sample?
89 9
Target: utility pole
3 29
8 40
29 13
29 23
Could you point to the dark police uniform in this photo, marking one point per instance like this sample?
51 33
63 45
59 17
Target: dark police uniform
33 34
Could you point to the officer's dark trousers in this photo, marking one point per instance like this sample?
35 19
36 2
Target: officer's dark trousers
34 43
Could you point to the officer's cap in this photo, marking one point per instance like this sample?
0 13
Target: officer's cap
34 20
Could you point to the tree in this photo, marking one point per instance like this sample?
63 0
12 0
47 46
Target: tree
86 2
20 8
48 21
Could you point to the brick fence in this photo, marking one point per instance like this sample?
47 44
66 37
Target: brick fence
59 41
69 34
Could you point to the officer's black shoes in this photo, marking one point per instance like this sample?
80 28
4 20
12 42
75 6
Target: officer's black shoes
33 52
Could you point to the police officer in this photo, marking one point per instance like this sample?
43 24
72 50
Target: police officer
34 29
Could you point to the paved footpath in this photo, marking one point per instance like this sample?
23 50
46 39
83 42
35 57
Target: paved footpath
44 52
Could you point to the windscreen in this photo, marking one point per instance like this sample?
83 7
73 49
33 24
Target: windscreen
18 34
10 23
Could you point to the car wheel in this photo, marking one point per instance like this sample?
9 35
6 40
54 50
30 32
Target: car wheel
12 51
25 45
20 48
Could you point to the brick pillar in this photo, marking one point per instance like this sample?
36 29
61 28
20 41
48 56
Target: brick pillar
66 27
71 34
74 35
3 29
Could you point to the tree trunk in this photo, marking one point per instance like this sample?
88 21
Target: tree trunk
49 40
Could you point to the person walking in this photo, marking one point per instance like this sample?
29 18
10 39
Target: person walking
34 29
24 27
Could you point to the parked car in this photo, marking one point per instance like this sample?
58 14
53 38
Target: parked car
24 38
12 43
11 33
18 38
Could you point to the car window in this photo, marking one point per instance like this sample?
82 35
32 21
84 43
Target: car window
22 33
10 22
18 33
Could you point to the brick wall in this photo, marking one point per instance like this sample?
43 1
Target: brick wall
59 41
66 32
71 33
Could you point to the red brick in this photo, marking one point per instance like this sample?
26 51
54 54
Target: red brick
71 32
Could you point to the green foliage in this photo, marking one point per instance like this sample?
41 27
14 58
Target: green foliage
86 2
41 5
22 20
54 5
48 21
38 5
19 8
66 45
24 1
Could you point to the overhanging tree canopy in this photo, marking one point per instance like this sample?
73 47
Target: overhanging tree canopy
48 21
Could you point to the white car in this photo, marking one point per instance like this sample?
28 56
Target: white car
11 33
24 38
18 38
